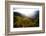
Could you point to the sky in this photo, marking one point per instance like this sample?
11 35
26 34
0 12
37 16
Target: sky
27 12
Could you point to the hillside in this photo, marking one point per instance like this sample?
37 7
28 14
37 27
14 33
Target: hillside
23 21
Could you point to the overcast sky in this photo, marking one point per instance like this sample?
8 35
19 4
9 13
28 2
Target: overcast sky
27 12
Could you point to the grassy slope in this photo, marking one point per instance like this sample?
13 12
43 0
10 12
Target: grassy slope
25 22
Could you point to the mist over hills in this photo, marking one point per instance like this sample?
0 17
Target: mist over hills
29 16
21 20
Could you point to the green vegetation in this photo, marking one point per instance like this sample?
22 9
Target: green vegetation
20 21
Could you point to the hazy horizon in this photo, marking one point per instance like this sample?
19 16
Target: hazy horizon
27 12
